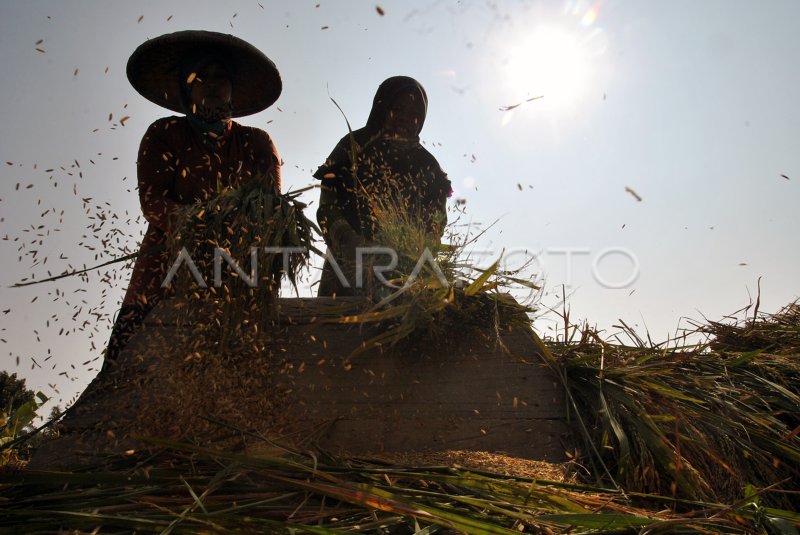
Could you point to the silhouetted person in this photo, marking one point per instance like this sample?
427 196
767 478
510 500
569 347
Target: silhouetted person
380 165
210 78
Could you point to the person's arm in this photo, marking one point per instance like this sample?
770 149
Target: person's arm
156 170
275 170
336 231
436 199
334 225
270 160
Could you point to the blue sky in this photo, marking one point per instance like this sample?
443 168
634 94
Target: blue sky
691 105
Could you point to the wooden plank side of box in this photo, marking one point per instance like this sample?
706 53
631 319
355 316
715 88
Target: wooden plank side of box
469 391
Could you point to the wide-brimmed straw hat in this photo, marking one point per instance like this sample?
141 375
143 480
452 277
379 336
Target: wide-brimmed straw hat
154 70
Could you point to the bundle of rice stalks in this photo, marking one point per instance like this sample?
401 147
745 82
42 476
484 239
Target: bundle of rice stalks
777 333
241 226
687 423
429 292
182 488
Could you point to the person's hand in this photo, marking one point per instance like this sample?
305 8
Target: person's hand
349 242
343 240
353 245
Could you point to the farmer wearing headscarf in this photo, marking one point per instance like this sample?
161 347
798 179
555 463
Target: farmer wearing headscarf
382 164
209 78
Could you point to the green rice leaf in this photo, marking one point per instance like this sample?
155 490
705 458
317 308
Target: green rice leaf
478 284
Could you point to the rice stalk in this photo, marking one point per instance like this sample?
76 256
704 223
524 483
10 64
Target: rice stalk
429 293
185 489
253 227
697 424
777 333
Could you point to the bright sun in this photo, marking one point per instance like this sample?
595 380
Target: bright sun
550 62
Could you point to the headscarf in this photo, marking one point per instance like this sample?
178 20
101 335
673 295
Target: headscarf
387 94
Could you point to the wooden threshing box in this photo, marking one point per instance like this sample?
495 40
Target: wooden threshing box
470 391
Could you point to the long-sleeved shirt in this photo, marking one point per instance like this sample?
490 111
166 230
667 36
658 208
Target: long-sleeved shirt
179 165
402 174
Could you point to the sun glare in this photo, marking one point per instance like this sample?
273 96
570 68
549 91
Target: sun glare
550 62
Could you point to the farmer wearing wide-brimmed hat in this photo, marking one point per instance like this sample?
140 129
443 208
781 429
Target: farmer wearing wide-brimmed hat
209 78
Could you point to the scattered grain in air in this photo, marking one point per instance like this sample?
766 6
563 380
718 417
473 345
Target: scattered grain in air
40 50
324 28
191 78
633 193
110 116
380 10
140 19
122 121
106 71
169 18
516 402
75 73
39 42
